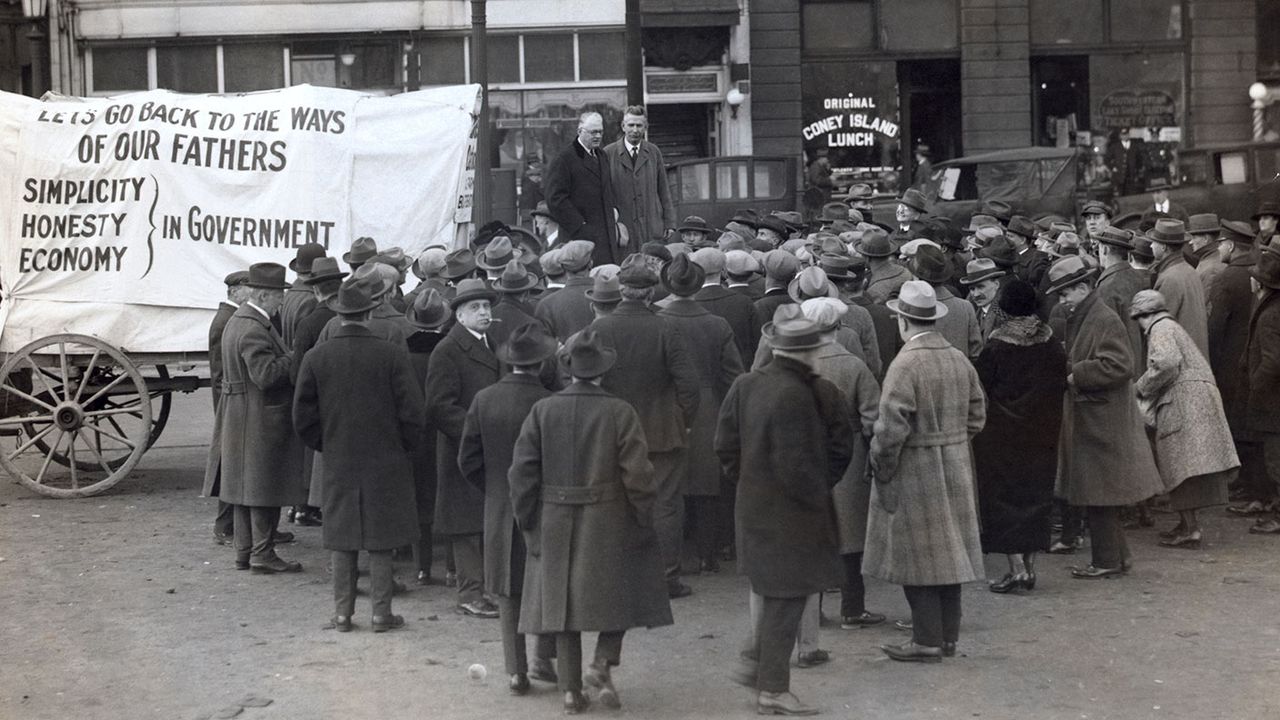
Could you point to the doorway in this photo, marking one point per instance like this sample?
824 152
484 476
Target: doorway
929 94
680 130
1059 98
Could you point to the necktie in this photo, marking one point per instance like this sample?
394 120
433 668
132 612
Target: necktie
634 151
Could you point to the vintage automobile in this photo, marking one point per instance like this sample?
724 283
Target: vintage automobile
717 188
1228 180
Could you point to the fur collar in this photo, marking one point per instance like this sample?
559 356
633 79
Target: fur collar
1023 331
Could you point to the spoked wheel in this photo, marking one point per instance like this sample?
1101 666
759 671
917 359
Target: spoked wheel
84 412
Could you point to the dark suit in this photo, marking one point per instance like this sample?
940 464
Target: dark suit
507 316
737 309
1031 267
1128 167
762 310
580 197
566 310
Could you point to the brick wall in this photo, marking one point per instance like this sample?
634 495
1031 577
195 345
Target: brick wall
1223 64
775 77
995 75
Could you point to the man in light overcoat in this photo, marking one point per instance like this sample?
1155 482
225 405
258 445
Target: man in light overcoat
639 176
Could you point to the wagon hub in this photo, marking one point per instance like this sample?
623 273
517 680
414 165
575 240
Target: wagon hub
69 417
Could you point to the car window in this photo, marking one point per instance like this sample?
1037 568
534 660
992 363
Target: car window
770 179
1232 167
1007 180
1049 170
695 182
1268 164
956 183
1193 169
731 181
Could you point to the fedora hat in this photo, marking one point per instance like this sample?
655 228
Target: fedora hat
430 262
1142 248
1116 237
1001 251
239 277
528 244
356 295
495 254
981 269
1068 271
775 224
918 301
1022 226
915 200
747 217
458 264
541 210
791 330
998 209
859 191
306 255
589 356
984 235
388 277
1068 243
1203 224
575 255
826 312
792 218
693 223
841 267
1267 269
1238 232
683 276
1147 302
930 265
1267 207
1168 231
515 279
809 283
833 211
393 256
324 268
528 344
473 289
1159 185
874 244
488 232
362 251
266 275
979 221
605 289
429 311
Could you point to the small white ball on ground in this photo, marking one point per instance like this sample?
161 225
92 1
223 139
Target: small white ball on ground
477 672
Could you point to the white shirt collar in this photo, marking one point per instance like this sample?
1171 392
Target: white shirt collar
1163 207
589 151
476 335
631 148
253 305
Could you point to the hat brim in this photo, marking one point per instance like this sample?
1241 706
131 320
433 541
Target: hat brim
458 272
266 286
1173 243
545 350
913 206
463 298
336 306
349 259
530 280
1126 246
1072 279
985 275
608 356
793 290
444 320
895 307
541 213
692 228
767 333
1270 282
317 279
611 298
861 249
480 263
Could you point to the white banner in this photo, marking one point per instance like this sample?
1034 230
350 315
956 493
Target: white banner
119 217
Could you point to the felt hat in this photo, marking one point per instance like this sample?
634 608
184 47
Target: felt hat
981 269
1237 231
362 251
357 294
430 262
1267 207
859 191
589 356
827 312
473 289
576 255
1142 248
985 235
239 277
915 200
740 262
393 256
605 289
1068 271
488 232
429 311
833 211
811 282
792 218
695 224
1001 251
1203 224
1068 243
388 277
979 221
1160 184
1095 207
918 301
683 276
528 344
841 267
636 272
1147 302
267 276
515 279
1267 270
930 265
1116 237
776 224
711 260
911 247
496 253
322 269
780 266
458 264
747 217
730 240
1168 231
999 209
1022 226
874 244
307 254
541 210
791 330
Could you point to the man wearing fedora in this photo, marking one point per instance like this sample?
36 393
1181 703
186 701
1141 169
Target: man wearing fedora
784 440
258 457
363 249
394 257
546 226
907 225
983 278
886 276
237 291
734 307
511 311
714 352
959 325
567 310
356 401
780 268
384 321
921 465
299 300
462 365
1161 206
1178 283
1104 457
1202 248
1118 282
484 456
580 193
1031 264
1262 370
847 274
428 268
428 318
1267 217
582 494
657 376
639 177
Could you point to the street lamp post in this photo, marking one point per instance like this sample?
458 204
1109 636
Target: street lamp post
634 55
1261 96
35 11
480 210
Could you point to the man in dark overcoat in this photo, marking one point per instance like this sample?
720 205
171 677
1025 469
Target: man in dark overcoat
780 268
737 309
784 440
355 401
579 190
639 176
1178 282
714 352
1262 366
511 312
462 365
299 300
258 458
428 317
236 293
567 310
488 439
583 495
655 374
1118 282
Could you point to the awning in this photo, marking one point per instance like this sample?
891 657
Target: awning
688 13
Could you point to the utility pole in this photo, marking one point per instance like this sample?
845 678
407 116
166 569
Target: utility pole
480 210
634 57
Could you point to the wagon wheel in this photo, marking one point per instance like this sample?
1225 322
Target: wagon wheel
127 400
90 412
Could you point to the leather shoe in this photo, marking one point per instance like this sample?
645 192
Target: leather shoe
813 658
1270 526
275 565
543 671
282 537
575 702
519 684
308 519
866 619
242 563
911 652
1093 572
783 703
1184 540
903 625
383 623
341 623
677 589
948 649
1009 583
478 608
222 538
601 679
1253 507
1060 548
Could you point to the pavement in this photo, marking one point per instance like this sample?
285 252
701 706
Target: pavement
121 606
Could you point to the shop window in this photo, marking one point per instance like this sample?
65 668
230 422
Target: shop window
187 68
443 61
249 67
119 68
601 56
900 23
504 58
1232 168
1061 22
1146 20
695 182
549 58
837 25
770 179
731 181
314 62
376 65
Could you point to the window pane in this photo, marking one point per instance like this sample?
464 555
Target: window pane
245 68
1268 48
600 56
443 61
1233 168
321 72
903 29
832 25
119 68
1192 168
770 178
504 59
1058 22
1146 20
1268 164
695 182
191 68
548 58
731 181
376 66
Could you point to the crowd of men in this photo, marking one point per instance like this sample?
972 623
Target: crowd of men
593 411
